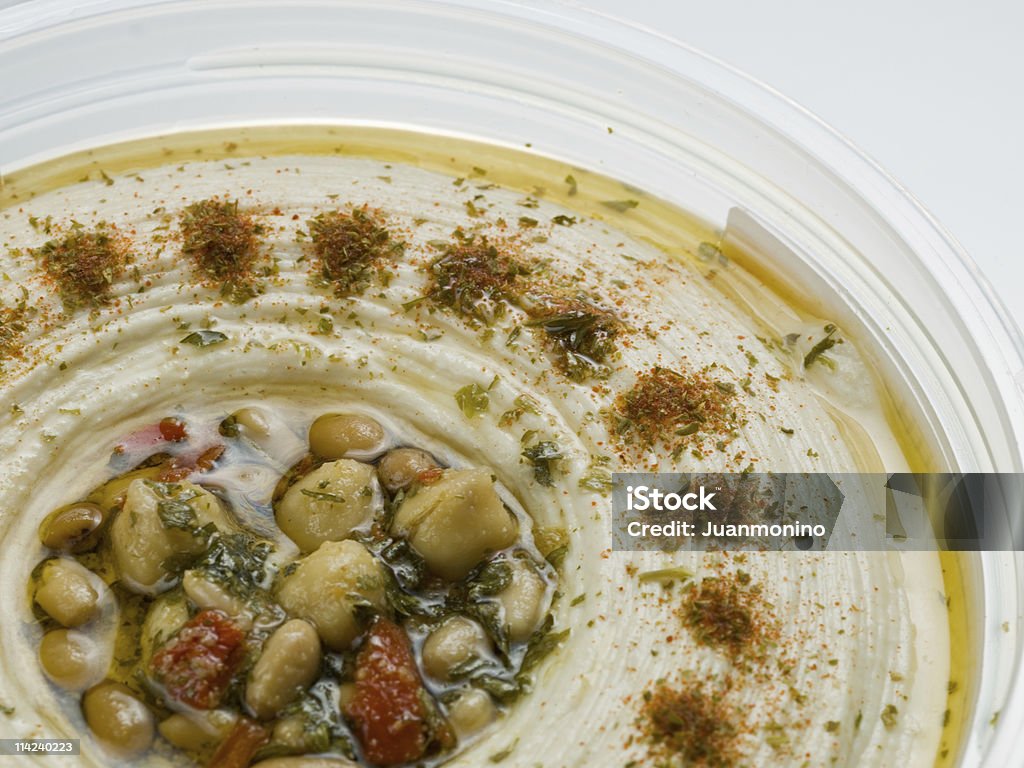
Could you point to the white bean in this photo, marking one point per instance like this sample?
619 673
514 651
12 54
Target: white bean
288 665
472 711
522 601
198 732
454 522
457 640
66 592
328 503
166 616
325 588
208 594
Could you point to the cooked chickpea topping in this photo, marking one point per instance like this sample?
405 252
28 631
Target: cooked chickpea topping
328 503
327 587
243 643
456 521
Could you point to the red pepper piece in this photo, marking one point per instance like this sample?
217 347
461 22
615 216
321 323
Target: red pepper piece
387 710
196 666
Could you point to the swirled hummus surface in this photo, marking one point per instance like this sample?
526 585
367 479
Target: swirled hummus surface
835 658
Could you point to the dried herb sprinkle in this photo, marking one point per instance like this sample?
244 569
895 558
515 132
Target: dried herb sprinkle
85 265
350 248
223 245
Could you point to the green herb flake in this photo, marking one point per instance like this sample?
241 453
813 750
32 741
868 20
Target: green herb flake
582 334
497 757
204 338
333 498
777 737
710 252
889 716
492 579
544 457
620 206
817 353
541 644
832 726
573 186
523 404
598 477
666 574
473 400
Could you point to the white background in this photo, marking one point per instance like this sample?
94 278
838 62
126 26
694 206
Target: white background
931 89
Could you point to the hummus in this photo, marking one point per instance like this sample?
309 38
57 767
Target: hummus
840 658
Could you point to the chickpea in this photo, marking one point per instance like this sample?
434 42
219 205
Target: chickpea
457 640
289 664
326 587
471 712
140 541
399 468
328 503
346 435
456 521
71 659
66 592
118 720
72 528
523 601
